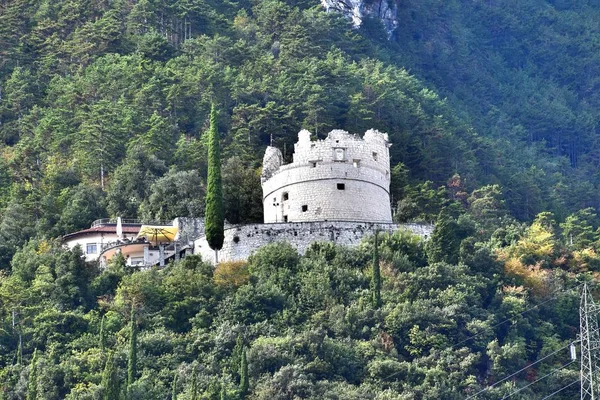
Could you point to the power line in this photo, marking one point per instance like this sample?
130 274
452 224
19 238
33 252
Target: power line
561 389
539 379
519 371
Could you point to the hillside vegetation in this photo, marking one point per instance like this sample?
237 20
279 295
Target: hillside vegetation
492 113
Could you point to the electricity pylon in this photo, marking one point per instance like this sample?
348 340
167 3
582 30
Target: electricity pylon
590 345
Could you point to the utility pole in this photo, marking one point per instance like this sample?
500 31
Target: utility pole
590 345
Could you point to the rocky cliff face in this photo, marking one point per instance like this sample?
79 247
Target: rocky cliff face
385 10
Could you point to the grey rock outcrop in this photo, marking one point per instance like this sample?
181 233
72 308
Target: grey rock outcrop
357 10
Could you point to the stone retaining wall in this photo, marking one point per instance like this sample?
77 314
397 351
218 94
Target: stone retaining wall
242 240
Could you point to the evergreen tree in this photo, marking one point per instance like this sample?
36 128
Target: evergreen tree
32 382
244 374
174 387
20 351
444 244
132 363
194 385
214 195
110 379
376 277
102 337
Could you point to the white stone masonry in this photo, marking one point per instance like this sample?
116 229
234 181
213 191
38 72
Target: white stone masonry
341 178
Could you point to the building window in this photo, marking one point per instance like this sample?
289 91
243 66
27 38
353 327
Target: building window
313 164
356 163
341 186
305 208
374 156
285 196
285 218
91 248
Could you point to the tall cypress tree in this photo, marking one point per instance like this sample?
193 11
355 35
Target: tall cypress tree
132 363
174 387
32 382
110 379
102 337
214 218
244 384
194 385
376 277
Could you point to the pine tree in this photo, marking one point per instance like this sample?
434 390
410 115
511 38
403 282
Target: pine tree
444 244
243 374
32 382
214 193
132 363
110 379
376 277
102 337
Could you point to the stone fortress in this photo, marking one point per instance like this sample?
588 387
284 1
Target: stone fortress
336 190
341 178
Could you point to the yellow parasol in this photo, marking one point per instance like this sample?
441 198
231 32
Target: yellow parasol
158 234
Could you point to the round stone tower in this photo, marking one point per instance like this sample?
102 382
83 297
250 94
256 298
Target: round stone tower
341 178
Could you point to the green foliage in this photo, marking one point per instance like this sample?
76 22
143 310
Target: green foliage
32 380
133 351
444 243
244 384
176 194
376 274
214 190
242 193
174 387
102 106
110 379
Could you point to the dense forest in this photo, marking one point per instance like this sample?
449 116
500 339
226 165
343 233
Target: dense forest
492 111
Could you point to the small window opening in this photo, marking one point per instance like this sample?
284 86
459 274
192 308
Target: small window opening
313 164
285 218
285 196
374 156
341 186
304 208
356 163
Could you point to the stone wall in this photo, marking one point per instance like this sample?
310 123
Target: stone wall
188 229
341 178
242 240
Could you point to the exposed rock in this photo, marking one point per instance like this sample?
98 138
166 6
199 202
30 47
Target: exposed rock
384 10
272 160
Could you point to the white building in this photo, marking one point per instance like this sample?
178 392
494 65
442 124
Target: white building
141 245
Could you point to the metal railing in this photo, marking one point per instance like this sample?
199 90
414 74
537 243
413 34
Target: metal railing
129 221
